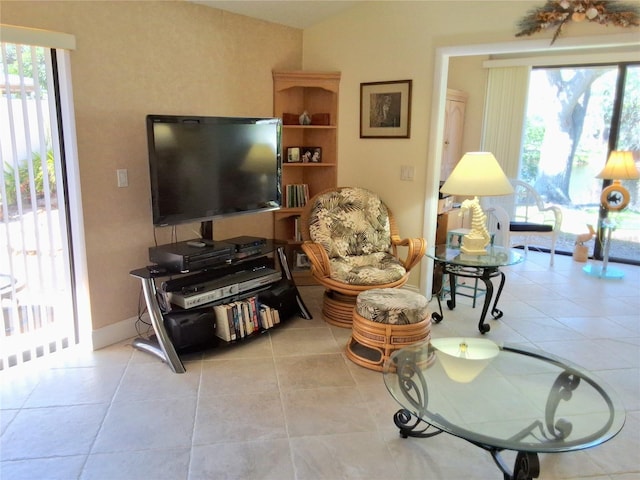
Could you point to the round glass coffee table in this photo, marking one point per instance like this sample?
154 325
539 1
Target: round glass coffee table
478 267
500 398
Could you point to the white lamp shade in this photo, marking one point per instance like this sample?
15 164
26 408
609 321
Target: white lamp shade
479 174
464 359
620 166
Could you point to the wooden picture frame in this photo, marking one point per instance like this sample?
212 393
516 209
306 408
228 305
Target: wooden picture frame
385 109
293 155
311 154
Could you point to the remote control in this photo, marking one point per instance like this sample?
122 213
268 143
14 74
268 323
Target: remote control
195 243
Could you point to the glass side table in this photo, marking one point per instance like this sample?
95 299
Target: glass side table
483 267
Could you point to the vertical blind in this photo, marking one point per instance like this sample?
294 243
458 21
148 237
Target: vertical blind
505 107
35 288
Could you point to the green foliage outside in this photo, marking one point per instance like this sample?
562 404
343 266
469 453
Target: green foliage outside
33 64
23 183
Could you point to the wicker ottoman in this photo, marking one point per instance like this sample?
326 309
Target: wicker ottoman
385 320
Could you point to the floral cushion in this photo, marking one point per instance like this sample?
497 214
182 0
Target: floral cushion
392 305
352 225
375 269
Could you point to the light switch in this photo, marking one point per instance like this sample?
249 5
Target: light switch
123 177
406 173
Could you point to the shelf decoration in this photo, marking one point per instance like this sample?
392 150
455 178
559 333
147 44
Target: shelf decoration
558 13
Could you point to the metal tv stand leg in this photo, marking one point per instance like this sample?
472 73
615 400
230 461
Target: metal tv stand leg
162 347
302 308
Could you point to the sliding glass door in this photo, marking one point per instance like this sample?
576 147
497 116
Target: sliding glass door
575 117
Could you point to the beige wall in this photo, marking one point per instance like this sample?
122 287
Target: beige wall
377 41
136 58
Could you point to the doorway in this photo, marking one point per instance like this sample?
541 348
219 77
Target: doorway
39 314
442 56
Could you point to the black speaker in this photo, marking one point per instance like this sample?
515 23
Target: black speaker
282 297
191 330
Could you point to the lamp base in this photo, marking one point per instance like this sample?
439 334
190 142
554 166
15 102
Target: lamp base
476 241
473 246
598 271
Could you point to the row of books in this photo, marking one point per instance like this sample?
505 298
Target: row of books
240 319
296 195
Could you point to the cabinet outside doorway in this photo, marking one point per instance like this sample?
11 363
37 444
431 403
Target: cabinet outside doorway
455 106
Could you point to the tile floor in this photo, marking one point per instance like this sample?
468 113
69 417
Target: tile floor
289 405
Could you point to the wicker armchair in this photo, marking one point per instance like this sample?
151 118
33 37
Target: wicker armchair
351 240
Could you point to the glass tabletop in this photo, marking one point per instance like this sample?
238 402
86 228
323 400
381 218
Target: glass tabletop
503 396
495 257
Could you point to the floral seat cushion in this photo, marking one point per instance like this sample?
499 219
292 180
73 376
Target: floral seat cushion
392 305
374 269
352 225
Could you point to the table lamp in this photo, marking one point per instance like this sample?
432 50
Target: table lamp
615 197
463 359
477 174
620 166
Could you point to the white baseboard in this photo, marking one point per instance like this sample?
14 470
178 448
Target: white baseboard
114 333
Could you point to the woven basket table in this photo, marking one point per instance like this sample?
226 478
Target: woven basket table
385 320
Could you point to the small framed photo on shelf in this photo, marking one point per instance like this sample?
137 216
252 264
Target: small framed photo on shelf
302 261
311 154
385 109
293 155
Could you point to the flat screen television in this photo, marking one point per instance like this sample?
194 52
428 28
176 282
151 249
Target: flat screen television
203 168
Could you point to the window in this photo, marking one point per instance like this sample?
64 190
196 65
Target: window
575 116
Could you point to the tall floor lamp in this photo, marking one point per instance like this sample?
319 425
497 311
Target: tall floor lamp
615 197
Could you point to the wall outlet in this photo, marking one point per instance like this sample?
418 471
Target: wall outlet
123 177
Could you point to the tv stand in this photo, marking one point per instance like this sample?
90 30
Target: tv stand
160 344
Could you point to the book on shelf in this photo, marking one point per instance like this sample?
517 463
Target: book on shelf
240 319
224 326
297 195
297 233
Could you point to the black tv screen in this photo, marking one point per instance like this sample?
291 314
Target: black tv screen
204 168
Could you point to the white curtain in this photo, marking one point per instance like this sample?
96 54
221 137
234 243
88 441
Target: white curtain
504 112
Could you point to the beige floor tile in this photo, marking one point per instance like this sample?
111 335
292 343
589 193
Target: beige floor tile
51 468
52 431
238 376
239 418
149 424
342 456
324 411
138 464
312 371
268 460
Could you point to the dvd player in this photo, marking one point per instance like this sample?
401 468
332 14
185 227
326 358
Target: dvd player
191 255
245 281
246 245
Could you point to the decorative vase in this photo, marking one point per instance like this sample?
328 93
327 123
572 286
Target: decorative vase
305 118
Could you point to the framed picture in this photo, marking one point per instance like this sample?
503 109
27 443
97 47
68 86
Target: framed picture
302 261
385 109
311 154
293 155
